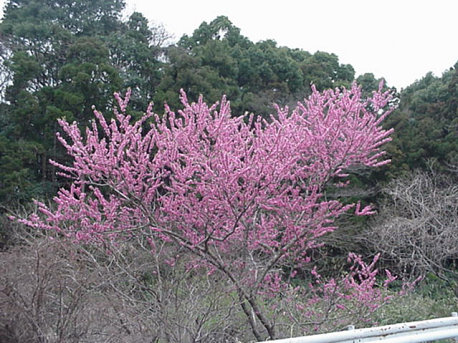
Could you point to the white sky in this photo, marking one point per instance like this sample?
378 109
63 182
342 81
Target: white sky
399 39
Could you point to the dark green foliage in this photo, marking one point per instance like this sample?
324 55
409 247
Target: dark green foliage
134 52
37 18
426 124
17 160
63 57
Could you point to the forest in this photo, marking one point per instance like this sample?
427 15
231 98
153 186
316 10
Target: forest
132 209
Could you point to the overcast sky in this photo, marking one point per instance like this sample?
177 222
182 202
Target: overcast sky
400 40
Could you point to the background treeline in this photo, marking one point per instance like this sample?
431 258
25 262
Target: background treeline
59 58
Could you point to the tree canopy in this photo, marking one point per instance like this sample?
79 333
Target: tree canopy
426 124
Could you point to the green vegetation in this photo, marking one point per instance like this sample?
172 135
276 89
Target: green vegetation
426 124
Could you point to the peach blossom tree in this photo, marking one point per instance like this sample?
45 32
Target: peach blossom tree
244 195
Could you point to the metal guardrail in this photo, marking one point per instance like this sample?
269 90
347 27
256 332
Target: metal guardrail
420 331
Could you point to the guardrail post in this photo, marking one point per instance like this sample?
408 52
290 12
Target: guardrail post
455 314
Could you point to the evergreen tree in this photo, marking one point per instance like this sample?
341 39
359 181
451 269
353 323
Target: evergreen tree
59 67
136 51
426 124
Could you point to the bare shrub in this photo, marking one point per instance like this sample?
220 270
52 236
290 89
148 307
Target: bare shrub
43 297
160 291
52 290
417 227
55 291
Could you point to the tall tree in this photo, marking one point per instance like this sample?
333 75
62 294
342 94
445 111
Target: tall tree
136 52
59 66
426 124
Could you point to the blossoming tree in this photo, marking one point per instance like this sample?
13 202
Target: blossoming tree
244 195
